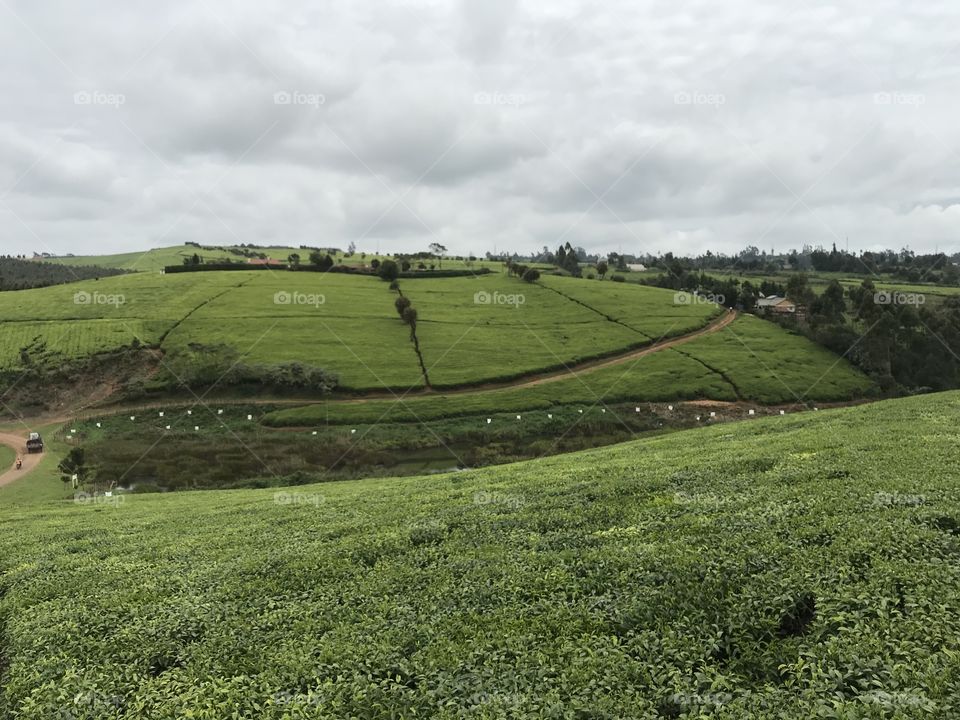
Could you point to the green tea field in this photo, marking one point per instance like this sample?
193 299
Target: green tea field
790 567
470 331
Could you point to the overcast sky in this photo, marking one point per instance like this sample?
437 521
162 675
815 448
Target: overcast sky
481 124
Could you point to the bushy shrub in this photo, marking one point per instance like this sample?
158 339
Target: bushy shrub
388 270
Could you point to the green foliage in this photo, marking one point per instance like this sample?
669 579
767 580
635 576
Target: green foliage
388 270
21 274
321 260
789 568
75 464
205 366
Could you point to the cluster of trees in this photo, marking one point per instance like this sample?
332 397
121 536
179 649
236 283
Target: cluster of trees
732 292
21 274
523 272
904 264
567 259
907 345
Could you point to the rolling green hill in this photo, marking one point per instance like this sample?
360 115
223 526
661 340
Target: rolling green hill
156 259
790 567
471 330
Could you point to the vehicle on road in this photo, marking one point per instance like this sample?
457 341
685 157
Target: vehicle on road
34 443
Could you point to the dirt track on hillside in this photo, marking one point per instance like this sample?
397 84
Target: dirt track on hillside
19 445
535 379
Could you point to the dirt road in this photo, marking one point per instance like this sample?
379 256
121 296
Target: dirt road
19 445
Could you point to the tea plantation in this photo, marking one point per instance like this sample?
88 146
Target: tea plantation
345 324
790 567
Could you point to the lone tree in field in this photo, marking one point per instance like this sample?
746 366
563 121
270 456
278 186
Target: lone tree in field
602 268
438 250
374 264
388 270
294 259
401 304
531 275
321 260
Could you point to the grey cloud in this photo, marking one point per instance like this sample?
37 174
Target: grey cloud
498 122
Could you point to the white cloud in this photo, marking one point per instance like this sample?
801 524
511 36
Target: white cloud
487 124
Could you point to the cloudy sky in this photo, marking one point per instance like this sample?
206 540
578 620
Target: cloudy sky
479 124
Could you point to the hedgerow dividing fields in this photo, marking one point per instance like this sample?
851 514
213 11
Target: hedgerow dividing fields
345 324
750 353
654 312
494 327
156 259
80 319
470 331
771 365
797 567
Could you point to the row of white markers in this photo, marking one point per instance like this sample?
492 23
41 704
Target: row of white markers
133 418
